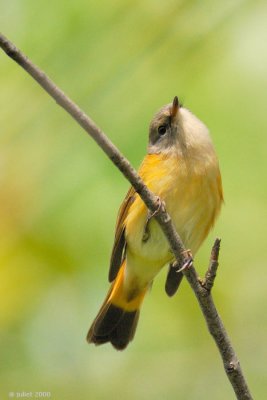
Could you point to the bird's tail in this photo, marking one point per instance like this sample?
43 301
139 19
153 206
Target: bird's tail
117 318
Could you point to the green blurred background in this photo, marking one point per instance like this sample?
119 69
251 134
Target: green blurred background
121 61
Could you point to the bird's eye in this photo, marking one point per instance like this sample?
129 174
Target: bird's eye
162 129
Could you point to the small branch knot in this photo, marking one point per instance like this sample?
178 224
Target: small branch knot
232 366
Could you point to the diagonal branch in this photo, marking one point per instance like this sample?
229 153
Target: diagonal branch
202 291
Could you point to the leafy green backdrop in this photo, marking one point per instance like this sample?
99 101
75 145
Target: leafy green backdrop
121 61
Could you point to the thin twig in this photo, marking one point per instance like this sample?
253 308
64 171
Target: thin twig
210 276
214 322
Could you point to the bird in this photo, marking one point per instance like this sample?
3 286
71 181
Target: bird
181 168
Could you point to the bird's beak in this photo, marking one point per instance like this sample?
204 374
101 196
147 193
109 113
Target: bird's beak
174 108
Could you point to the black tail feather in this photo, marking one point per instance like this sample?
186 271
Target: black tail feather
107 319
115 325
173 280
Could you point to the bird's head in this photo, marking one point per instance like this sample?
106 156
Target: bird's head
174 128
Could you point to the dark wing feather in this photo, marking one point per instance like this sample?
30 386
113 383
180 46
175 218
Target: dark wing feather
173 280
118 251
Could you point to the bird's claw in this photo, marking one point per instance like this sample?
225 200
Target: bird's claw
188 262
161 205
150 215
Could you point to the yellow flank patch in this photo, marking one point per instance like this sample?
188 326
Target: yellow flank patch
129 299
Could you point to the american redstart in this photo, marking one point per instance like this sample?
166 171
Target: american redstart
181 167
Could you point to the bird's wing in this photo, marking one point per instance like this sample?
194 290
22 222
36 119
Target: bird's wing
118 251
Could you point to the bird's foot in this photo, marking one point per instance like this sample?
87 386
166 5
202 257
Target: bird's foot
150 215
188 261
161 206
